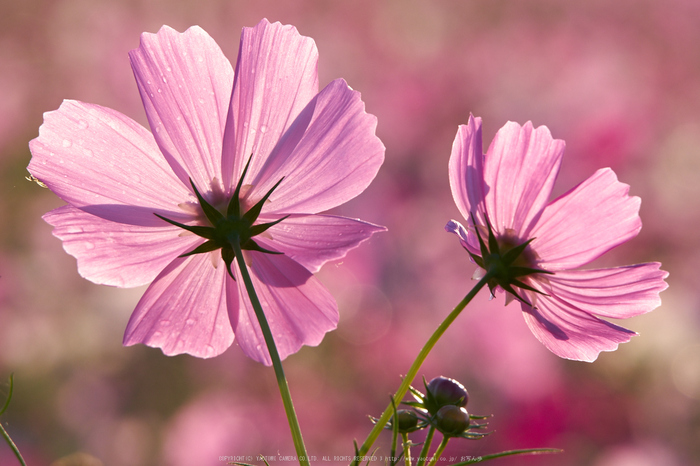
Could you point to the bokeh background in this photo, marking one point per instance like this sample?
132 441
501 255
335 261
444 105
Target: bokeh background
618 80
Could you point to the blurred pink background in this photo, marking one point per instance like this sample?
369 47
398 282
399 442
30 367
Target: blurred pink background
619 81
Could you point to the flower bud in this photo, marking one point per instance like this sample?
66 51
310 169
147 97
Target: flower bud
452 420
407 420
442 391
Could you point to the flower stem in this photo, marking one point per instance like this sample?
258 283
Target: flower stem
12 445
426 446
415 367
406 449
439 450
4 433
302 456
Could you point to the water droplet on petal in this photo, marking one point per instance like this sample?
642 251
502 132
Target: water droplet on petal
165 323
190 322
82 124
164 80
263 129
89 245
67 143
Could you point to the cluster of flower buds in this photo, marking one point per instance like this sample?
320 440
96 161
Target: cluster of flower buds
442 406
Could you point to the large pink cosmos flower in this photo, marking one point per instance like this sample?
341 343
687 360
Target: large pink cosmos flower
507 191
207 122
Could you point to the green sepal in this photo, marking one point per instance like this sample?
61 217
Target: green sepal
416 394
251 245
228 255
515 271
413 404
522 285
493 242
204 232
512 254
479 261
234 205
482 245
255 230
213 215
254 211
202 248
507 287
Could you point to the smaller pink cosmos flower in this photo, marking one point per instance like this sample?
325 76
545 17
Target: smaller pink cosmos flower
536 246
252 156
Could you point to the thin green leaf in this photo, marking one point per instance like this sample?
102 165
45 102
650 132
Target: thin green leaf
9 395
531 451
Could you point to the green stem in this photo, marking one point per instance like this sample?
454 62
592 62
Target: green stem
12 445
415 367
406 449
426 446
439 450
4 433
274 355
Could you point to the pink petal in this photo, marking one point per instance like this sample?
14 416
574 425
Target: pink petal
520 168
299 309
618 292
275 78
584 223
185 83
105 163
570 332
184 310
466 169
313 240
468 240
117 254
328 156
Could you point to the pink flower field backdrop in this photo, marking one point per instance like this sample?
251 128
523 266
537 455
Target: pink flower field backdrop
619 82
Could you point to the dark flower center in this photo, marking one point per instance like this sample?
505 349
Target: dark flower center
507 260
234 228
